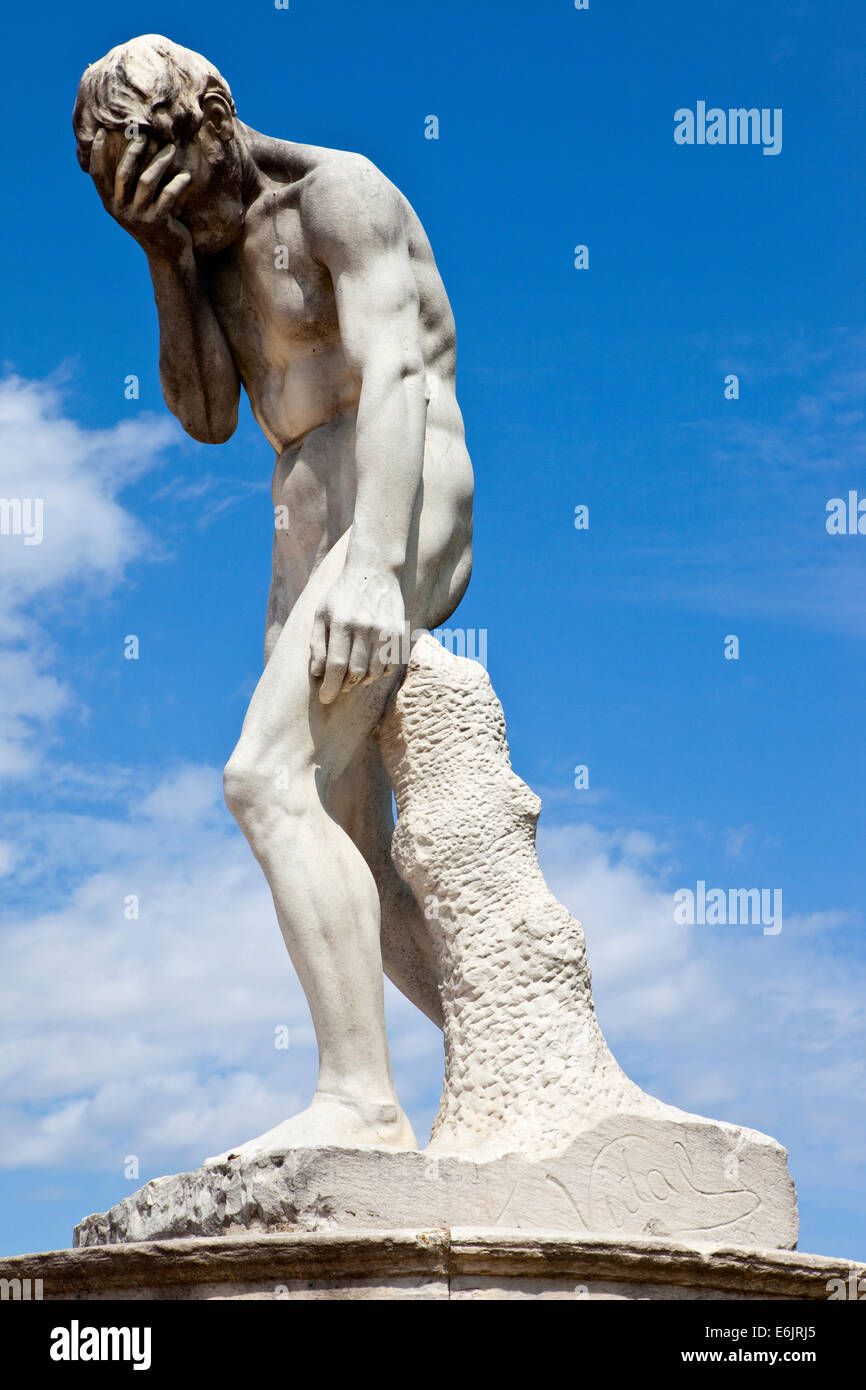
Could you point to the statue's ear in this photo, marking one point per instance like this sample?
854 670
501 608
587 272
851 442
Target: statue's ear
218 115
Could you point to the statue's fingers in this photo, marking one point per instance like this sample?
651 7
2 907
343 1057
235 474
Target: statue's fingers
127 167
172 191
97 164
319 647
359 659
336 665
149 178
380 655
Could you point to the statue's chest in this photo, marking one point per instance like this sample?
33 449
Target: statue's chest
274 301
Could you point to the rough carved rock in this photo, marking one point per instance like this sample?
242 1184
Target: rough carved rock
644 1181
538 1125
527 1068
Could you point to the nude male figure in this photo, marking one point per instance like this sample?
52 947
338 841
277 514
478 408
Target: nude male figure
305 276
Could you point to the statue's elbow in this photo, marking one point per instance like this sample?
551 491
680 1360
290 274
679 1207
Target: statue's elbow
218 434
208 429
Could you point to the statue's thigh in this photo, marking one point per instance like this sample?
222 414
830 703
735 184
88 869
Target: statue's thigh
286 725
360 801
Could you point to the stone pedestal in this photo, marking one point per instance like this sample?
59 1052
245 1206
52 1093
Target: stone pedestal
463 1263
627 1176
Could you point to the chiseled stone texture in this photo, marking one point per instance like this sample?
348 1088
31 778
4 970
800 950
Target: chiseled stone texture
527 1068
460 1264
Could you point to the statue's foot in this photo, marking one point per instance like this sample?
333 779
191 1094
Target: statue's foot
328 1122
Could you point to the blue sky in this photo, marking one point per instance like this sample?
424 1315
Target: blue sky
603 387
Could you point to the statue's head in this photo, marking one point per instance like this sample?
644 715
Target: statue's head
153 87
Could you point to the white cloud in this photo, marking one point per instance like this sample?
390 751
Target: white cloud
188 795
155 1036
30 700
78 474
75 476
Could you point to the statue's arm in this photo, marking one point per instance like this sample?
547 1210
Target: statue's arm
199 378
198 374
355 223
353 219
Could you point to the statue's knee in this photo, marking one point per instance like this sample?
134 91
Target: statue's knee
245 787
237 786
260 791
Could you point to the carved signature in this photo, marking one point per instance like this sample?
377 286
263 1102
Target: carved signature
651 1186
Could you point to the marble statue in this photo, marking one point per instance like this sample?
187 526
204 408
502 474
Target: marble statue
304 275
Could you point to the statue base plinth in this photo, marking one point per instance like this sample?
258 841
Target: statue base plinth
463 1263
628 1175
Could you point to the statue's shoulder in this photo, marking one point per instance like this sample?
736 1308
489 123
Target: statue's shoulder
337 191
347 193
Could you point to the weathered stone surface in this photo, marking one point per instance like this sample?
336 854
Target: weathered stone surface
463 1263
526 1064
643 1177
527 1068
